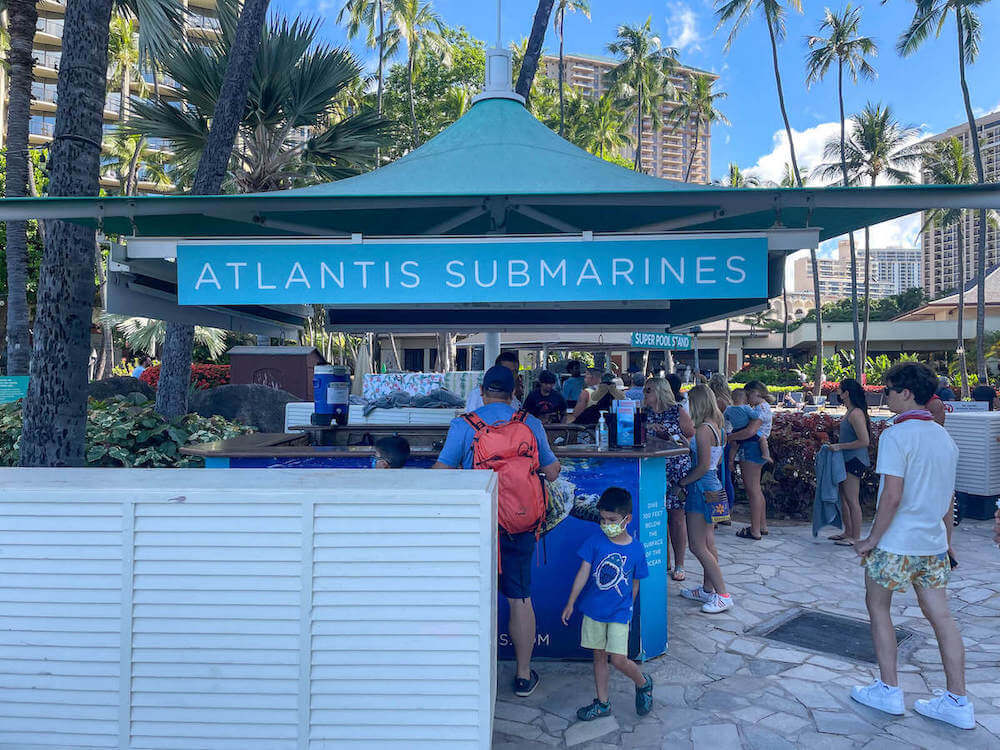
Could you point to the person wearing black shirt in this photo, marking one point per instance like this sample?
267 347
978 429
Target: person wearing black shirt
545 402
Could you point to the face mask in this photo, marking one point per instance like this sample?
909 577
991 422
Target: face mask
613 529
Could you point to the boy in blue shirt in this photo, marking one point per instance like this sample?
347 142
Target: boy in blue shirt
608 579
740 415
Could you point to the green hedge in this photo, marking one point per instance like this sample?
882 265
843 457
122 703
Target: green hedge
126 431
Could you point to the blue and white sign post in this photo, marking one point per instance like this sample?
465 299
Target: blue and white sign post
409 272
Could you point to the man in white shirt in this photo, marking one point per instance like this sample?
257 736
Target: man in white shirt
908 545
475 398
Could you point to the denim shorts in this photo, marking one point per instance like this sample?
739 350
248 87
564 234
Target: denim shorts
516 551
750 451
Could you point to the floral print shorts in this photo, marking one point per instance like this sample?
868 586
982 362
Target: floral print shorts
897 572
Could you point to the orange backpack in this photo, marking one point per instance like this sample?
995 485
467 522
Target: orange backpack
510 449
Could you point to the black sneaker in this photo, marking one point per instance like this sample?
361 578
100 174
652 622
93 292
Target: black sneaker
594 711
525 687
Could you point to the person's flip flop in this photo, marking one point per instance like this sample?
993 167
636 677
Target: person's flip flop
844 543
836 537
678 574
745 533
764 532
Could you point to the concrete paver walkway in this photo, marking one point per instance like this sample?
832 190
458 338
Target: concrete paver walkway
721 688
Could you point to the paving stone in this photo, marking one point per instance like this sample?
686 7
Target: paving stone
516 712
724 664
763 668
783 723
678 718
809 694
835 722
718 700
817 741
974 595
759 738
745 646
829 663
554 724
985 690
645 735
716 737
788 655
752 714
991 723
811 673
519 745
517 729
585 731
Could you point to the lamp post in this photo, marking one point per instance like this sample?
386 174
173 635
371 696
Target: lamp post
694 342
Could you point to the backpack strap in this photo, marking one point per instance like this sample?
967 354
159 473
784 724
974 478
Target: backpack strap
474 421
519 416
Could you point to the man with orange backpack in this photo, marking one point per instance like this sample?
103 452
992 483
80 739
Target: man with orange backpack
513 444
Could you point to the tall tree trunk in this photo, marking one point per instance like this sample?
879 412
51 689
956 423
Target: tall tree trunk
125 93
697 137
859 360
106 356
960 341
381 56
131 179
560 20
175 370
818 375
409 87
55 411
784 315
533 52
638 128
868 286
22 17
981 236
724 365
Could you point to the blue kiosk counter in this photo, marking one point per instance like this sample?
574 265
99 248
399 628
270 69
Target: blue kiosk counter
571 516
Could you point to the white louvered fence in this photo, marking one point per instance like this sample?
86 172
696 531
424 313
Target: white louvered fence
246 610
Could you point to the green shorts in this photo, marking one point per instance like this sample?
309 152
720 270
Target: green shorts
897 572
604 636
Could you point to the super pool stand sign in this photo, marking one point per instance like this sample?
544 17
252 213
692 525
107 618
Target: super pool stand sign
413 271
653 340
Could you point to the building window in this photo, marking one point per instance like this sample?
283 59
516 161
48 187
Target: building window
44 125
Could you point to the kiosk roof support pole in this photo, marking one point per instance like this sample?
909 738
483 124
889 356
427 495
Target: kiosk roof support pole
491 349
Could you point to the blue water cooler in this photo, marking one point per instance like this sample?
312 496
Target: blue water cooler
331 394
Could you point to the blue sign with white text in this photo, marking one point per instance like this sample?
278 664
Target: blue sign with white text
407 272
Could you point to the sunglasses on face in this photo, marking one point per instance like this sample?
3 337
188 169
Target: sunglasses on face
890 388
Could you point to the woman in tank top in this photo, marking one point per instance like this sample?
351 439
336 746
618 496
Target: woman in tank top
853 442
706 453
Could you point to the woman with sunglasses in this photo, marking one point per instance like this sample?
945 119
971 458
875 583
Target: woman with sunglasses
667 420
853 442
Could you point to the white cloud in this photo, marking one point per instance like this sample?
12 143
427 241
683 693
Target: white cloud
809 145
979 111
682 25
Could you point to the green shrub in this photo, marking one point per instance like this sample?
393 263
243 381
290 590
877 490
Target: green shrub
766 375
126 431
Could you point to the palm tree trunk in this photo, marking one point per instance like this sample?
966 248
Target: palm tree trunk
106 356
55 411
868 290
784 315
381 55
409 88
131 182
960 342
697 137
126 91
175 371
23 17
981 236
781 104
818 375
560 20
724 365
533 52
859 361
638 129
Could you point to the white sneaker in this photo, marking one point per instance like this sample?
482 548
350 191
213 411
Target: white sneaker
718 604
698 594
943 708
881 697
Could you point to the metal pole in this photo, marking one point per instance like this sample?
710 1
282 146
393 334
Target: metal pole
499 35
697 367
491 350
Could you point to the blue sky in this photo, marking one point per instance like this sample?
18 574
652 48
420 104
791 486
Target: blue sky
922 89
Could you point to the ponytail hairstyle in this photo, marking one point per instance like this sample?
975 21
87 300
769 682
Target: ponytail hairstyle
760 389
856 392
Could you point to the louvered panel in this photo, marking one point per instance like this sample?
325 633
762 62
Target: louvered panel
227 617
61 572
976 435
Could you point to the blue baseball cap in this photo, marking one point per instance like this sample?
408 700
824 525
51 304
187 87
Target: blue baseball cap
498 379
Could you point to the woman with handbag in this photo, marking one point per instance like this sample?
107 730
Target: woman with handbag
706 504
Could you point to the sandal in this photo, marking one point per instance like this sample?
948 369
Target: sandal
764 532
837 537
746 533
678 574
845 542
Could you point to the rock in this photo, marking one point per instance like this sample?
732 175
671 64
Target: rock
838 722
102 390
254 405
716 737
515 712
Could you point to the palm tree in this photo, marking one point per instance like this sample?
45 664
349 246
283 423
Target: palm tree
289 126
120 159
607 131
878 147
947 163
931 15
22 18
175 372
740 12
147 334
371 16
415 24
642 78
844 46
698 104
55 410
737 178
562 7
533 49
123 57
